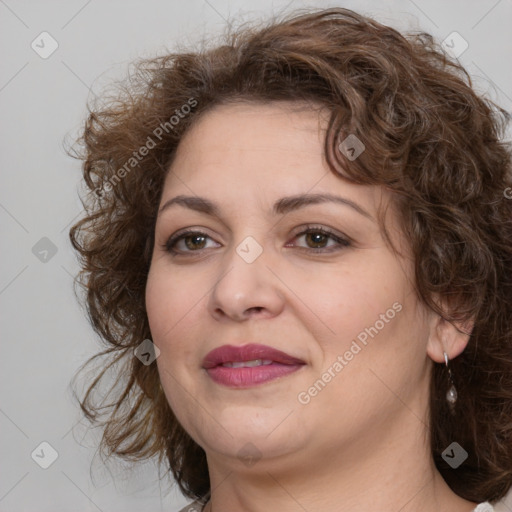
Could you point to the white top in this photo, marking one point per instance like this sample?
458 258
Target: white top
484 507
195 506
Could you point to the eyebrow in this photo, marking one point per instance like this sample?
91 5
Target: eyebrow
281 206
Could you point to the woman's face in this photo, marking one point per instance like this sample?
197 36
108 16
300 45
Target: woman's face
252 276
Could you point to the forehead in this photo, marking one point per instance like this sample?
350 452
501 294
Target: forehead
257 132
277 143
253 153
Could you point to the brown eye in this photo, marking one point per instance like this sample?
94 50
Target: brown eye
196 241
193 240
317 238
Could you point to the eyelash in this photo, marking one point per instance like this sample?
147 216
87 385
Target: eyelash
173 240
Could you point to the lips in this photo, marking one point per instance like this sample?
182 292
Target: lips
249 365
250 352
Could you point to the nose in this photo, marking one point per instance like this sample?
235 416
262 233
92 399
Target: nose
245 290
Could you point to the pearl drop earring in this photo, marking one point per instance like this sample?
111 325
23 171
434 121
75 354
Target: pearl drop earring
451 395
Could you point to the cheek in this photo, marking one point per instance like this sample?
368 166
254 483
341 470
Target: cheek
167 315
173 303
155 300
344 302
164 306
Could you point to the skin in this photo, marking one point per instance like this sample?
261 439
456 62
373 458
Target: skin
362 442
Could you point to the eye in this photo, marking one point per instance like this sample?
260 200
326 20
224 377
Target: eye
195 241
318 236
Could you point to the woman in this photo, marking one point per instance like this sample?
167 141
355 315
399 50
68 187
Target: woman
299 247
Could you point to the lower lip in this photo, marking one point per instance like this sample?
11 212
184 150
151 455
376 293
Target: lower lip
250 376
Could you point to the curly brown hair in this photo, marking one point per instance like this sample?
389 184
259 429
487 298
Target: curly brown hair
429 138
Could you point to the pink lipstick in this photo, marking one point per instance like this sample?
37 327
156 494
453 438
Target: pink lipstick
248 365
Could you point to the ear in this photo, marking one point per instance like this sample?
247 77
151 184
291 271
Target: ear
451 338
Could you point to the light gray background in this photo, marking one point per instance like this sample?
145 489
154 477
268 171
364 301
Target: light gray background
45 336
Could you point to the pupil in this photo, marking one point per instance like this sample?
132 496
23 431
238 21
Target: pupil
316 235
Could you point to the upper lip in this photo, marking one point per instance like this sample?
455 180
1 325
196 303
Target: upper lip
232 353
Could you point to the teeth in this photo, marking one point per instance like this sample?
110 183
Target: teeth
247 364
